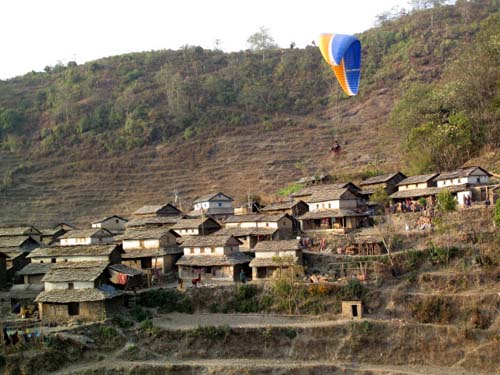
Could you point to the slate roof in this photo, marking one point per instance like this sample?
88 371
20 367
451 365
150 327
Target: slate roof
417 179
122 268
312 189
284 245
84 233
243 232
146 253
103 219
214 260
209 197
191 223
254 218
212 211
78 295
463 172
380 179
280 206
266 262
18 231
146 234
154 220
25 291
329 195
35 269
68 251
343 212
75 271
209 241
13 241
414 193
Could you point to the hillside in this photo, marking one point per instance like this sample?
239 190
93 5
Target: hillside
114 134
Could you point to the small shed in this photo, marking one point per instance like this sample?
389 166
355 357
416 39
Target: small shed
352 309
124 277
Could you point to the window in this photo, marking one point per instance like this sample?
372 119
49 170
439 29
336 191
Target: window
71 286
202 250
209 269
329 205
219 204
117 221
317 206
478 179
191 251
53 260
73 308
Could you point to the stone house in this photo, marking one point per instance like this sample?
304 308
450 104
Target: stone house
163 210
342 220
91 236
306 192
77 291
151 249
278 227
292 208
194 227
106 253
23 231
31 276
50 236
214 258
16 249
388 182
217 205
152 216
268 255
416 187
249 236
333 199
114 224
467 181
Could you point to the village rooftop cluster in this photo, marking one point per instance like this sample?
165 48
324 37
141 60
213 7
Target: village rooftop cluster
85 274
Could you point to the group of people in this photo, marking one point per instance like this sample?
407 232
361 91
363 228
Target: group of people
407 206
14 337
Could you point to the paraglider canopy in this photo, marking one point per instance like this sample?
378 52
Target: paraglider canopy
343 53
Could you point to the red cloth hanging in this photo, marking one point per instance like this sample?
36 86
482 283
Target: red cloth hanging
122 279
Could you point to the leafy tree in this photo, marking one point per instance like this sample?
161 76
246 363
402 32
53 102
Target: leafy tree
496 215
446 201
284 286
262 41
380 197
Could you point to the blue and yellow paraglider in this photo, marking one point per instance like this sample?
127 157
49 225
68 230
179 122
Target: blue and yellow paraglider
343 53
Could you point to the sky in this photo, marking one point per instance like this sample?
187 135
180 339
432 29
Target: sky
37 33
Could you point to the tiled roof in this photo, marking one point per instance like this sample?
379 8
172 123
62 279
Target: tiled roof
283 245
254 218
145 253
102 219
463 172
13 241
414 193
343 212
153 220
208 241
25 291
380 179
68 251
18 231
313 189
35 269
146 234
75 271
214 260
265 262
417 179
78 295
241 232
330 195
280 206
209 197
191 223
85 233
122 268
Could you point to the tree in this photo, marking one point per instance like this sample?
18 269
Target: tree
284 286
496 215
262 41
380 197
446 201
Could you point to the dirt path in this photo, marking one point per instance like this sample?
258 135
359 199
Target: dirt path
253 365
176 321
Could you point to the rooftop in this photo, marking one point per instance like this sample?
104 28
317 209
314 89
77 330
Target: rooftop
312 189
413 193
242 232
380 179
155 209
75 271
103 219
78 295
210 196
68 251
330 195
18 231
343 212
284 245
209 241
214 260
146 234
14 241
35 269
280 206
154 220
85 233
253 218
191 223
417 179
462 172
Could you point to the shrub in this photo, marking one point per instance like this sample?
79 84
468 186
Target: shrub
146 324
108 332
446 201
122 322
291 333
496 215
139 314
167 299
353 290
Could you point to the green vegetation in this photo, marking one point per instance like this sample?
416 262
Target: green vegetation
167 300
446 201
496 215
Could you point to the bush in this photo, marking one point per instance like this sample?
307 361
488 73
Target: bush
139 314
496 215
168 300
353 290
446 201
108 332
122 322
